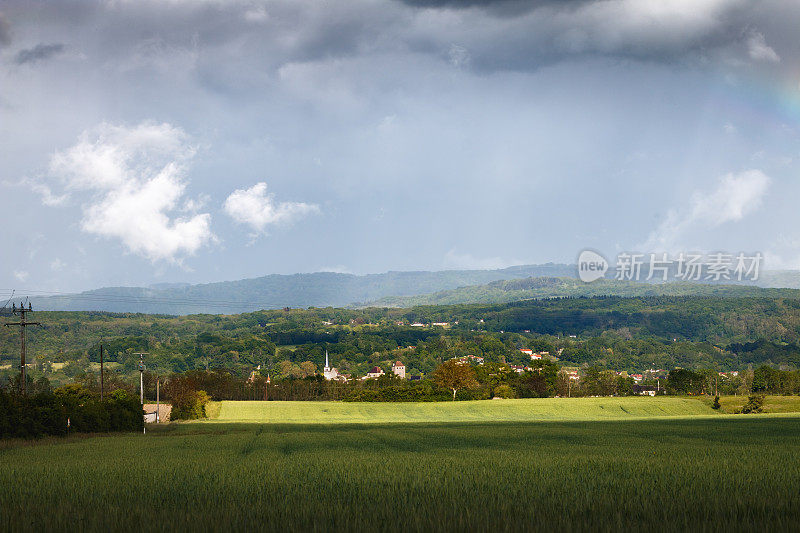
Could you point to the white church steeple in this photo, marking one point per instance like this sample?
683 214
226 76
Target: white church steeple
329 372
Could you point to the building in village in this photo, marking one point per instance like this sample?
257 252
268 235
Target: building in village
470 359
399 369
375 373
533 355
330 373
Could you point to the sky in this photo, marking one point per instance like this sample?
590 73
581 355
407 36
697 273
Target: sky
196 141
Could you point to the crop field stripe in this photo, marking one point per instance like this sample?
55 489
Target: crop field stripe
525 410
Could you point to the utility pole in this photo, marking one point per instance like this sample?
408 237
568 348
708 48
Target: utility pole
141 375
22 325
102 388
158 399
141 382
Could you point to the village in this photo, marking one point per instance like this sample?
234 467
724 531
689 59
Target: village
650 382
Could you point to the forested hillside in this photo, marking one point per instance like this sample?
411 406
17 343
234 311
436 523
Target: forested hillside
503 291
612 332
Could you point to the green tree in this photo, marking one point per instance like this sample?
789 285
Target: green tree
504 391
754 404
455 375
308 368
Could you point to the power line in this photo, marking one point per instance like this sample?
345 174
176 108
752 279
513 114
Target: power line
5 305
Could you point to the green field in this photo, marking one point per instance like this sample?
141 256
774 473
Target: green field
724 473
528 410
506 465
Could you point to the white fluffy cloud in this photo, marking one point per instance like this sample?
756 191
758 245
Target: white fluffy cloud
258 209
136 176
735 196
48 197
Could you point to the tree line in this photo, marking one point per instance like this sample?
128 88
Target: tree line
612 333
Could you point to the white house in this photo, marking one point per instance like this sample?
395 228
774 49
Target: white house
399 369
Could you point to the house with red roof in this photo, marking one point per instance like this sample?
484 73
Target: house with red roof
375 373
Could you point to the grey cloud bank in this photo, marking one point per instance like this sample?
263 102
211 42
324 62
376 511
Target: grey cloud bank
38 53
393 135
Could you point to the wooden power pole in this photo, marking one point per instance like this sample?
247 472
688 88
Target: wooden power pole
141 375
102 384
158 399
23 323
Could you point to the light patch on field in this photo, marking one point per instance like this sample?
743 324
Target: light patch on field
524 410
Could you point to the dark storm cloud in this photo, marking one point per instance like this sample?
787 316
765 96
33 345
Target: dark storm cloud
530 4
39 52
265 34
251 38
499 35
485 35
495 7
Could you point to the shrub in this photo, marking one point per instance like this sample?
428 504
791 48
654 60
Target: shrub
504 391
69 409
716 404
189 405
754 404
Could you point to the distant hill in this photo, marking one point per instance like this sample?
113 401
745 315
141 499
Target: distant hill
320 289
390 289
504 291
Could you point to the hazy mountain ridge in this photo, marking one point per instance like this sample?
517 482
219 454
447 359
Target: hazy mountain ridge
392 289
275 291
547 287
